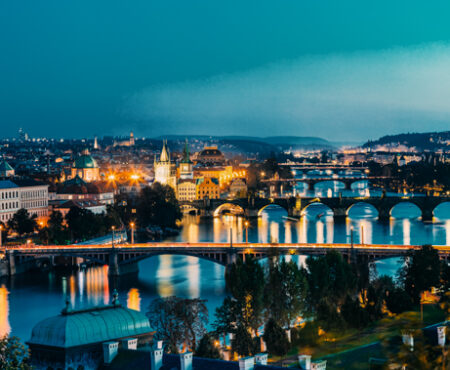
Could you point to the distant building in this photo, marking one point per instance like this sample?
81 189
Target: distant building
85 167
165 170
186 190
87 338
23 193
223 174
210 156
238 188
6 170
79 190
129 142
186 165
208 187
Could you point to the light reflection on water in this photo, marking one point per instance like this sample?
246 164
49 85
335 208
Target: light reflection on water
26 300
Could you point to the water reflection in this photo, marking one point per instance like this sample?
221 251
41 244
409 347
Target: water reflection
134 299
5 328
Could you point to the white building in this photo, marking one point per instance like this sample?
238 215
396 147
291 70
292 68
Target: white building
165 170
23 193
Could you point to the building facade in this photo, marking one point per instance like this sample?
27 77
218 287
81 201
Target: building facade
165 170
186 190
23 193
208 187
86 168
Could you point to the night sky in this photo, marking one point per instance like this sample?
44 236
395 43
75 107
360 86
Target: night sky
342 70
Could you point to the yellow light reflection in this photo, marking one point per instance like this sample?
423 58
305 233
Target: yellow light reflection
5 327
134 300
164 274
406 225
193 276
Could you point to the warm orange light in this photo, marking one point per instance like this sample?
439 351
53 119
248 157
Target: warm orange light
132 224
113 228
111 177
134 176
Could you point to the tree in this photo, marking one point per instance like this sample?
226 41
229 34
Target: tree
243 343
245 280
285 291
13 354
421 271
207 348
22 223
398 301
276 339
330 281
158 205
163 317
83 224
55 231
178 321
226 317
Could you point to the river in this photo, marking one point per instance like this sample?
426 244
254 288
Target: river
27 299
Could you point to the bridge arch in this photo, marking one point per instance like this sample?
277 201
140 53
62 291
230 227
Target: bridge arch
442 210
330 184
406 203
312 209
229 207
369 209
271 206
189 209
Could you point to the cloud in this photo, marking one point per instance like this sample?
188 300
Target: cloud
339 97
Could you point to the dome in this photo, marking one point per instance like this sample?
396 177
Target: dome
210 152
94 325
85 161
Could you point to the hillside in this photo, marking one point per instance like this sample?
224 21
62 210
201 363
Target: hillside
421 141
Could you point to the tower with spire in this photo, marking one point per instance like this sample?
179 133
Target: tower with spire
165 170
186 165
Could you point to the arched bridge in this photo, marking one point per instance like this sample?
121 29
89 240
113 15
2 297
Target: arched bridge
123 259
296 206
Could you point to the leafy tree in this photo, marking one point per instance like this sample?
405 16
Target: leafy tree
285 291
22 223
55 231
163 317
308 335
276 339
226 317
421 271
206 348
330 281
13 354
243 343
157 205
178 321
398 301
353 314
376 295
83 224
245 280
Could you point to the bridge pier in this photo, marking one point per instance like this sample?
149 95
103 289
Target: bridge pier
348 185
427 214
11 263
113 264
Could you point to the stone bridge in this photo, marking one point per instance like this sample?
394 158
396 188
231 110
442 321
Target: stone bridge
123 259
296 206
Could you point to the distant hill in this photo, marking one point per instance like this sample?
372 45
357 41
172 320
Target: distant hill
421 141
264 143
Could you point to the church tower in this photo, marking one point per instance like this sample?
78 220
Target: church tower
165 171
131 138
186 165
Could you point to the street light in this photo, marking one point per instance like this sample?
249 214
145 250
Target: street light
246 224
132 232
112 236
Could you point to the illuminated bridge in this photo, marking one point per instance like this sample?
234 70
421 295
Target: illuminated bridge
123 259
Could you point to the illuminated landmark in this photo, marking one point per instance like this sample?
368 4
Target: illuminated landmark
5 169
165 170
186 165
85 167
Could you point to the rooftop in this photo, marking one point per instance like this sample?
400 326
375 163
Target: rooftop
74 328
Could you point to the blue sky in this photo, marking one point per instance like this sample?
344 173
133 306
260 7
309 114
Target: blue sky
343 70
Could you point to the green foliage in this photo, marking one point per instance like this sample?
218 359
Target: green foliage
246 280
226 317
353 314
13 354
157 205
206 348
377 293
243 343
276 339
55 232
285 291
306 336
421 272
399 301
330 280
22 223
178 321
